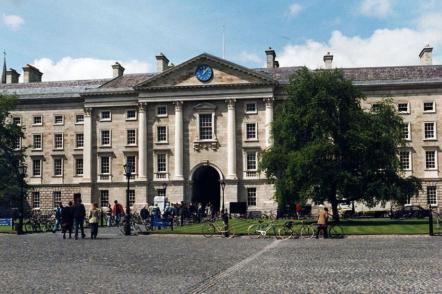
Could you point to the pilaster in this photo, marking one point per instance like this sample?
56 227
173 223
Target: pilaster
178 141
231 139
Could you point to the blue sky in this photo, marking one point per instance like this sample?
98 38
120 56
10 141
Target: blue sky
81 39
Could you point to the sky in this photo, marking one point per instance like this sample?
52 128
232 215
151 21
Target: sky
81 39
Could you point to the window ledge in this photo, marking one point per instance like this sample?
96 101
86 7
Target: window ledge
131 146
430 139
78 148
162 143
251 140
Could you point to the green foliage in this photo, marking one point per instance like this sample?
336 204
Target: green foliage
9 158
326 147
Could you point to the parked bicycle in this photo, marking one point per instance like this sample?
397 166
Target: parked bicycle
216 227
262 229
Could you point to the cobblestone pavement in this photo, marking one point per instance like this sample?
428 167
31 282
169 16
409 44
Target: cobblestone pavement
45 263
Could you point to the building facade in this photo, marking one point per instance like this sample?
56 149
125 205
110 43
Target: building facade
191 126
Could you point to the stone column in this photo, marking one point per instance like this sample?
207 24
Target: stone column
87 145
142 142
268 122
178 140
231 139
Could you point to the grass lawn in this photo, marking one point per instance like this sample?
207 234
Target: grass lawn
6 229
375 226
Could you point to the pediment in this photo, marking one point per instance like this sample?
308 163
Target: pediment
224 73
204 106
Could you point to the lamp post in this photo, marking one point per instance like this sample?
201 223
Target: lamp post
22 174
223 186
223 211
164 199
127 173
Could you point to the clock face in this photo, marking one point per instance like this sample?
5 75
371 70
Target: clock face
204 73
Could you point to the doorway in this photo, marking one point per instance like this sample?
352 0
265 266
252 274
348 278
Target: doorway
205 187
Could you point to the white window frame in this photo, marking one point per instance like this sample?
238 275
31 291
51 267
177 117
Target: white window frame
435 160
429 111
434 131
166 163
101 138
161 115
58 123
127 137
100 165
408 125
62 141
256 131
106 192
105 119
41 141
131 118
403 112
76 119
249 111
435 195
37 124
17 117
132 197
247 195
56 194
40 170
75 167
61 167
76 141
410 165
157 133
36 193
246 166
213 127
135 169
18 145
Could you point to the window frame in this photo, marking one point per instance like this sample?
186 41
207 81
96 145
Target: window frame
77 122
246 111
101 138
54 160
212 117
41 141
58 123
132 197
435 160
54 200
76 160
433 110
37 124
157 114
109 158
408 125
248 190
247 161
255 138
34 202
76 141
104 191
131 118
107 118
434 131
17 117
403 112
435 195
158 133
134 169
135 137
409 168
157 162
40 168
55 141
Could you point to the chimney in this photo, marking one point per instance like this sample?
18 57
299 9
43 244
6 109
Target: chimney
271 55
12 76
426 55
162 62
328 59
31 74
117 70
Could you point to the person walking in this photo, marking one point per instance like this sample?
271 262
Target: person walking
117 212
94 214
79 216
57 224
67 219
322 222
108 214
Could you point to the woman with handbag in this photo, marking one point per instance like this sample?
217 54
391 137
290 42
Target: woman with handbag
94 214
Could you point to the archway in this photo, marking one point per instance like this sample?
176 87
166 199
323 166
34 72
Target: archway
205 186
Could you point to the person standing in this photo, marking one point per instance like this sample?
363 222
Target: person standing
108 214
322 222
67 220
298 209
57 224
117 212
79 215
94 214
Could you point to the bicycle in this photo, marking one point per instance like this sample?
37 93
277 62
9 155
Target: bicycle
307 229
262 229
334 230
288 231
211 228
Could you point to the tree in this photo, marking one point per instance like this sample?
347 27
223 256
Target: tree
10 158
326 147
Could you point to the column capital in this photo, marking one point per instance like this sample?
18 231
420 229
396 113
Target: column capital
178 105
230 103
142 106
268 101
87 111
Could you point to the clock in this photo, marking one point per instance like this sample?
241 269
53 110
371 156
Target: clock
204 73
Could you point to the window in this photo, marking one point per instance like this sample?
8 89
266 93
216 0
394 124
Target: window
251 131
36 167
36 141
79 166
251 161
105 115
405 159
17 144
131 137
161 134
161 163
251 108
35 199
56 198
79 140
131 115
406 131
430 159
429 106
105 165
375 107
58 141
206 126
131 197
251 196
105 138
79 119
162 110
104 198
431 195
131 159
403 108
58 119
16 120
58 167
430 130
37 120
161 192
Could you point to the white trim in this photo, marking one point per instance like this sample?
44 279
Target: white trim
435 196
434 131
132 118
41 141
156 134
79 122
435 159
250 112
101 138
429 111
136 137
105 119
245 132
75 166
75 143
403 112
410 164
33 120
408 124
41 168
62 120
161 115
53 166
62 141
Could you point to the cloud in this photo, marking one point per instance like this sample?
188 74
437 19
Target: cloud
69 68
247 57
295 9
13 21
376 8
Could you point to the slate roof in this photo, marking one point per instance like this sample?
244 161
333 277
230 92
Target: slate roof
127 80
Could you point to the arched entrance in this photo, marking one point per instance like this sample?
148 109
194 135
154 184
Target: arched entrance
205 186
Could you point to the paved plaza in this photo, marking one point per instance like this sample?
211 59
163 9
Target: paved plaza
45 263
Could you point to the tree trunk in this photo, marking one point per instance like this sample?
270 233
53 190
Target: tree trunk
334 203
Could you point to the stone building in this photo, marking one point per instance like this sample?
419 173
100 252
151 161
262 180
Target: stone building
191 126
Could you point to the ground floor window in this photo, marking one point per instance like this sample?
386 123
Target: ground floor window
104 198
431 195
131 197
251 196
35 199
56 196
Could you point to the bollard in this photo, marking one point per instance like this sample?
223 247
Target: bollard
430 222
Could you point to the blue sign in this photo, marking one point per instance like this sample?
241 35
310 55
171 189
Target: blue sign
6 222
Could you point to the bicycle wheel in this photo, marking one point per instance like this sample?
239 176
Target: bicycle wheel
336 232
27 227
252 232
306 231
230 232
285 233
208 230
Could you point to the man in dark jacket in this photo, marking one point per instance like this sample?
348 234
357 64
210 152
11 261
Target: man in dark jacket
67 219
79 214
